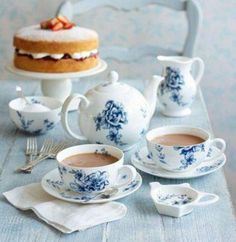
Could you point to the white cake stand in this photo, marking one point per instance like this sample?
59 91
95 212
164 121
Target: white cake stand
57 85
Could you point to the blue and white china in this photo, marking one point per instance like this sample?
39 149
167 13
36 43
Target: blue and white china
33 120
178 89
179 200
53 185
143 161
113 112
182 158
94 179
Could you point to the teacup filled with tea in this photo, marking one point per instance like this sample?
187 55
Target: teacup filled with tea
93 168
180 148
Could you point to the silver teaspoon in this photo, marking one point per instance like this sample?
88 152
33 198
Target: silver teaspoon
103 195
21 95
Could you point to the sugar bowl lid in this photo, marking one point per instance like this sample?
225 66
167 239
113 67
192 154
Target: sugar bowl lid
112 84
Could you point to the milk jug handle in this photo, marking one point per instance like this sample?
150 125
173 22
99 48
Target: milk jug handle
83 101
199 70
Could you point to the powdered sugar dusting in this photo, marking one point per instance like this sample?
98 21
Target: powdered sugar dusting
35 33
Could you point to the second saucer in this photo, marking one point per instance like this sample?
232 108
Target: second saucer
142 161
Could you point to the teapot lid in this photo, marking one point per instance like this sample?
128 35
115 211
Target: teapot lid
112 84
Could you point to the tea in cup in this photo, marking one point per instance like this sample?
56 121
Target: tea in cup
93 168
180 148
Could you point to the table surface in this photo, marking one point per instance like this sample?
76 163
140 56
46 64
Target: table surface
142 222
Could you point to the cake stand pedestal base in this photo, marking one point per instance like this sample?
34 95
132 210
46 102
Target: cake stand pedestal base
59 89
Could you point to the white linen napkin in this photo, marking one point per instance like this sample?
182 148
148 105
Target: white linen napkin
64 216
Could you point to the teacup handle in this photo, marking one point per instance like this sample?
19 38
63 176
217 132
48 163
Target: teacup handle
212 199
128 174
65 111
214 142
200 69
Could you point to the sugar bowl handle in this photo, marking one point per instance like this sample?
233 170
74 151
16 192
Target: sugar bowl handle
200 69
83 101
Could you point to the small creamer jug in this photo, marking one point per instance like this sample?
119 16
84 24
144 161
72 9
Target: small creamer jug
178 89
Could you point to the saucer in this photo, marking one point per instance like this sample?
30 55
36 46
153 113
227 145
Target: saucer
142 161
53 185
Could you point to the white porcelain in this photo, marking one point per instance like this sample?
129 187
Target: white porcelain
178 90
58 85
182 158
53 185
94 179
142 161
179 200
113 112
37 122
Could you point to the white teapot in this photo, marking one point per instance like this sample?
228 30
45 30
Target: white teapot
113 112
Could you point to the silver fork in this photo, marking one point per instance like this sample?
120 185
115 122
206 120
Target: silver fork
47 145
47 153
45 149
31 148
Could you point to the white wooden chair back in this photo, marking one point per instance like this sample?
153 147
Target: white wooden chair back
193 14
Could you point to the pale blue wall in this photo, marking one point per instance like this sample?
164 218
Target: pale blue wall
217 46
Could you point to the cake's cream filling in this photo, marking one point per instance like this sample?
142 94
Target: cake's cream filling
76 55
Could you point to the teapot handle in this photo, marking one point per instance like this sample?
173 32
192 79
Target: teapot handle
64 114
200 69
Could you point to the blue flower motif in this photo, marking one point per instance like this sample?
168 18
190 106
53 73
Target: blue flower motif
114 114
25 124
209 152
33 100
95 181
188 154
137 156
205 169
124 177
175 199
160 155
55 184
131 186
172 84
114 136
150 156
174 79
143 132
103 151
78 197
48 124
112 118
62 170
143 112
177 98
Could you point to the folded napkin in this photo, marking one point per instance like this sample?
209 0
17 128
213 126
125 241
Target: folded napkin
64 216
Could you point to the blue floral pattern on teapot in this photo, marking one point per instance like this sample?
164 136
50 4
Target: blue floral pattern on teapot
112 118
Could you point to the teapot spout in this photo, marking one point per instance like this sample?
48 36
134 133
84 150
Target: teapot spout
150 93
